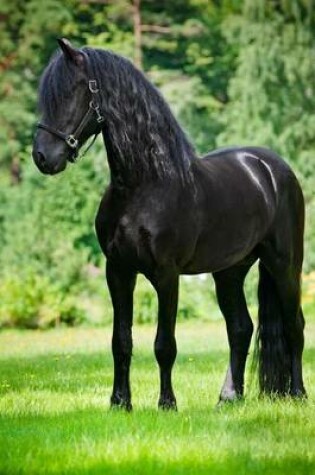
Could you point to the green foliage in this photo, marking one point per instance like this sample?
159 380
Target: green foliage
145 302
196 300
47 239
32 301
193 106
47 221
272 88
310 237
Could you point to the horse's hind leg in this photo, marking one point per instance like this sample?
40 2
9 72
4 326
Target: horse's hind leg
230 294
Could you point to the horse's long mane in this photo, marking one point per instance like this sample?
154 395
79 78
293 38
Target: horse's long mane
145 138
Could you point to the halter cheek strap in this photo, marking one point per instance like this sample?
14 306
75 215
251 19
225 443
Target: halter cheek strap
72 140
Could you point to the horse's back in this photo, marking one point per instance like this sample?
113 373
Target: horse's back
243 167
235 156
235 152
248 174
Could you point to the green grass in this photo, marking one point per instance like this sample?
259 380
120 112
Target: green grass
55 419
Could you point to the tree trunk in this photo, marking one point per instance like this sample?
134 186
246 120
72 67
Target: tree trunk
15 171
137 32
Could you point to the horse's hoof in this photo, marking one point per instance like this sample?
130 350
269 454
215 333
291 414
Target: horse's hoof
299 394
117 402
167 404
232 398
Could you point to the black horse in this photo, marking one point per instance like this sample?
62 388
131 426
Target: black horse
166 212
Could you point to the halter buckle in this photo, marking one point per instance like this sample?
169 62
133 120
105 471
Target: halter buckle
93 86
99 118
72 142
96 108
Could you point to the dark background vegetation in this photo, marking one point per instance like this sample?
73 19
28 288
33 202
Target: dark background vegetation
234 72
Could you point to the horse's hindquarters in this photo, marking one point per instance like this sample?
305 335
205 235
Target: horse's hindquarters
236 207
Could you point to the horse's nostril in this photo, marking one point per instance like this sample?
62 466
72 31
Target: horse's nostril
38 157
41 158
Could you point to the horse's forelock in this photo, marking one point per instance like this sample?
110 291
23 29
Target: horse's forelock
56 82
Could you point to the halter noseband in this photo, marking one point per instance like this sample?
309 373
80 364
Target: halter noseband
72 140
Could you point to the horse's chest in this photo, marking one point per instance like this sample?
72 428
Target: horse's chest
129 241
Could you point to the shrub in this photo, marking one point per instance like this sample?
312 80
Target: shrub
31 301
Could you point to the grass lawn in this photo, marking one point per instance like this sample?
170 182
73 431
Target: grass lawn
55 417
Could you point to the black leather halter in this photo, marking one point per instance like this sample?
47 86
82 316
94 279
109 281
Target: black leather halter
72 140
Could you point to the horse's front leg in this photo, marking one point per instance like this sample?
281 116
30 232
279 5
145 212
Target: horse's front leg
121 283
165 349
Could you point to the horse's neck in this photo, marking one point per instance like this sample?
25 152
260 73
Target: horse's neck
143 140
131 164
119 173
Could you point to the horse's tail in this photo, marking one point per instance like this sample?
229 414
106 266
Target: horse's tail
271 345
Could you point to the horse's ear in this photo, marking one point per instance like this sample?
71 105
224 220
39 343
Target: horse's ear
70 52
